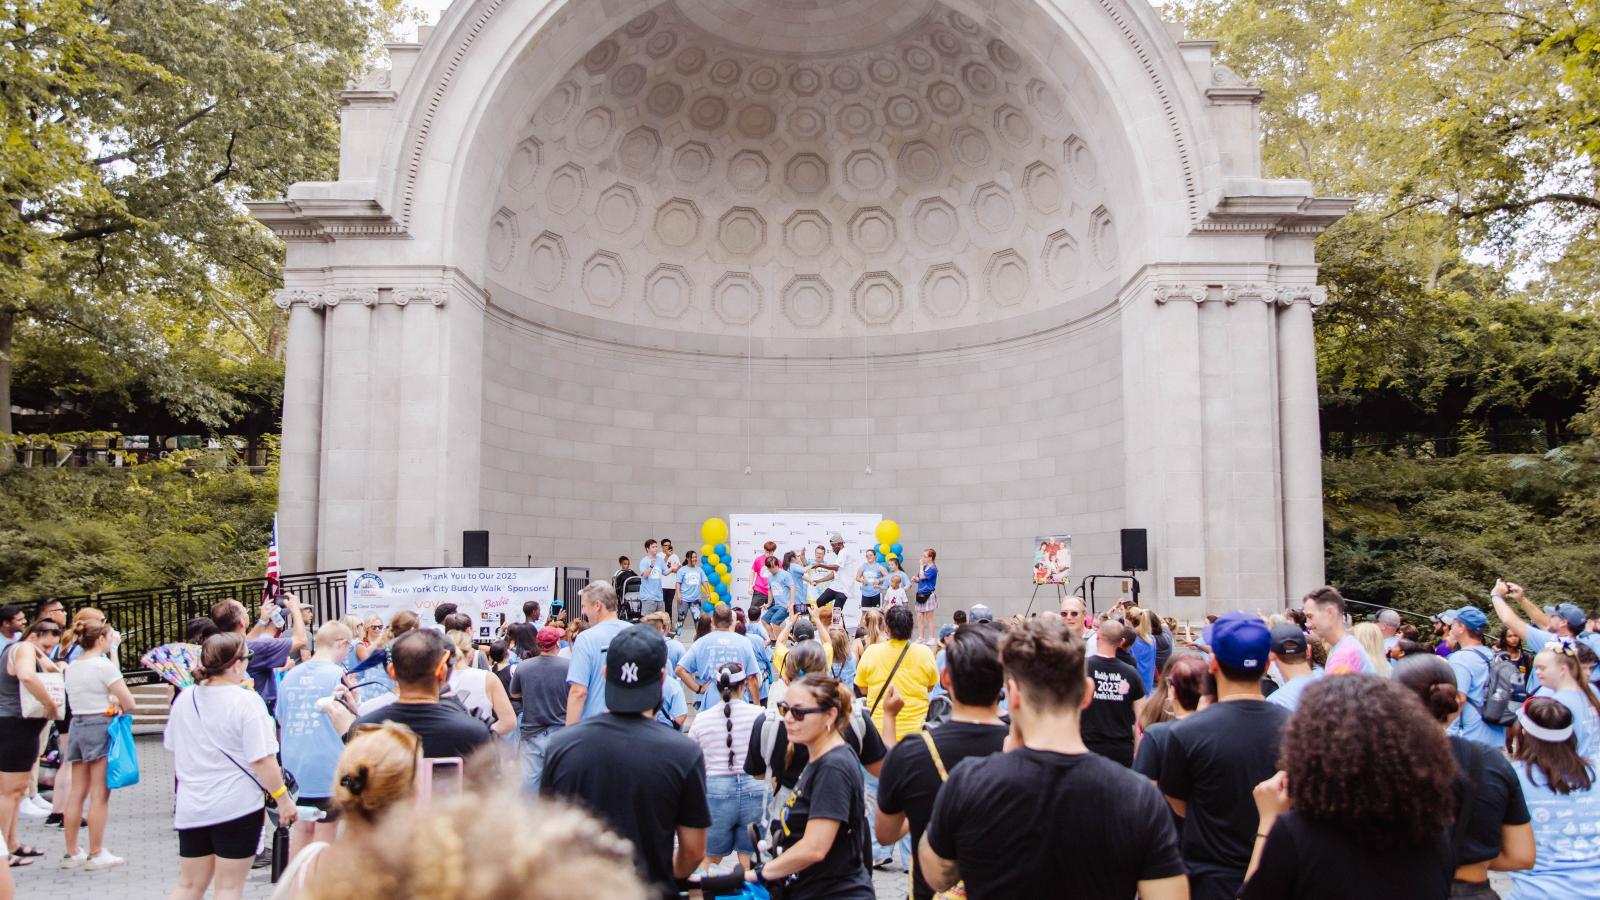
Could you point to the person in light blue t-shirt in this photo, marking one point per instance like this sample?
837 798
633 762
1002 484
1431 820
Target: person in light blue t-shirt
1563 802
1565 622
651 569
1471 665
691 587
310 744
698 667
586 676
871 576
780 587
1562 678
1291 654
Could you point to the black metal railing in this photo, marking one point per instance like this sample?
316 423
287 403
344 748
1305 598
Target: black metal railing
149 617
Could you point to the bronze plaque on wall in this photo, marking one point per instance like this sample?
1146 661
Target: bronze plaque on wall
1186 586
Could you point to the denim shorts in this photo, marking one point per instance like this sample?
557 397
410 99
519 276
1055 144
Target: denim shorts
90 738
736 802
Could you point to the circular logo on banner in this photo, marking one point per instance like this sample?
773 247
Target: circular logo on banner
367 584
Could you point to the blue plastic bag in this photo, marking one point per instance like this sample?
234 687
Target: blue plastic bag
122 763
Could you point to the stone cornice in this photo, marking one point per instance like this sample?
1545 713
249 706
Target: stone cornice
326 219
1273 215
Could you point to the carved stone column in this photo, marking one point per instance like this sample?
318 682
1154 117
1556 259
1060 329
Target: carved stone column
1300 439
301 449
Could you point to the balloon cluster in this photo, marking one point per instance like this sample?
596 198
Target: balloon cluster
889 547
714 560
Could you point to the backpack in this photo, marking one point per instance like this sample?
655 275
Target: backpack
769 744
1503 691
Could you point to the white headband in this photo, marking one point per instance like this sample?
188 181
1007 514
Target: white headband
1548 735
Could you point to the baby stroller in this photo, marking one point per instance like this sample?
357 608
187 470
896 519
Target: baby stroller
629 607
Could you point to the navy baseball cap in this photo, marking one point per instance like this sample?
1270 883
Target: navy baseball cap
634 663
1288 639
1239 640
1575 617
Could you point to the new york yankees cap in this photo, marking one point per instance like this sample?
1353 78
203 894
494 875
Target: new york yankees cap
634 663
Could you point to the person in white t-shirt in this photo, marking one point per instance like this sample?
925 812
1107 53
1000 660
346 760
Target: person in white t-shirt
671 565
735 798
224 745
842 562
94 684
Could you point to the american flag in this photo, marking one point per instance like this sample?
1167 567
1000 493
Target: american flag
270 591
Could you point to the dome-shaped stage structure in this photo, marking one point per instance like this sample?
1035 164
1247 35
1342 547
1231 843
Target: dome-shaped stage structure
594 271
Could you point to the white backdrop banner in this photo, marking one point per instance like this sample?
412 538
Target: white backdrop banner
802 531
492 597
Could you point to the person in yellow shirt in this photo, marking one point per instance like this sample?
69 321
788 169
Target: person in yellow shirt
796 630
913 669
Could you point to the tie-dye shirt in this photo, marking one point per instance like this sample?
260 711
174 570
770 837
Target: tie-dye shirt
1348 658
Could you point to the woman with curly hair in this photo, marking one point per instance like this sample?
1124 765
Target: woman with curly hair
1560 788
1496 836
1332 824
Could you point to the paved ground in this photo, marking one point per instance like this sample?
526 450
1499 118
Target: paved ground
141 832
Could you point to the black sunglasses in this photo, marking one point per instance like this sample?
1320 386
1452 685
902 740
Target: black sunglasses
797 712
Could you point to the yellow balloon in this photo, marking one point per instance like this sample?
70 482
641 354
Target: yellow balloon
714 531
888 531
705 550
713 559
722 568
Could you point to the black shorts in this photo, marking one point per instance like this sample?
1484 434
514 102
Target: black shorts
831 597
19 743
871 602
233 839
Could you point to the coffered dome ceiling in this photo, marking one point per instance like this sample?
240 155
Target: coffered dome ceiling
695 171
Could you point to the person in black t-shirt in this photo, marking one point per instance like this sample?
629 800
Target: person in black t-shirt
770 752
419 663
822 828
644 780
912 775
1349 833
1498 835
1014 824
1114 688
1217 756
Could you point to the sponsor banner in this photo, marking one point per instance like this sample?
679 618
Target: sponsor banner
1052 559
749 532
493 598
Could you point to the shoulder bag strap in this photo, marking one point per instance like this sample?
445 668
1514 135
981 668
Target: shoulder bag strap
933 753
194 697
1488 671
890 680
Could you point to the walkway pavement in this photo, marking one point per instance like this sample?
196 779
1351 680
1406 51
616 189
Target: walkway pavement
141 832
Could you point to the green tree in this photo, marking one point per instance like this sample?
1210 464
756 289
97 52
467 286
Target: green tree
133 129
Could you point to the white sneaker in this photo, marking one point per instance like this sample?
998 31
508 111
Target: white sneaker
103 860
34 807
75 860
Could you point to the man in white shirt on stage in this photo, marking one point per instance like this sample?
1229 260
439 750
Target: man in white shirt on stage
843 562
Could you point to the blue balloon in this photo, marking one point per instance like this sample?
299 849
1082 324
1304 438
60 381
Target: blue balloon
707 606
897 550
722 550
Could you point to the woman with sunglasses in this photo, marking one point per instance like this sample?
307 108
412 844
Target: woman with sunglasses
224 747
20 665
822 829
735 798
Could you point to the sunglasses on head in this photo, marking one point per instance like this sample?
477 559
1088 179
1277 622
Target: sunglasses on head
797 712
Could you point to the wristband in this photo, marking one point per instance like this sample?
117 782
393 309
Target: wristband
761 877
282 789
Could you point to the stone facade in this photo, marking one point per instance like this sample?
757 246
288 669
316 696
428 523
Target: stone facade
594 271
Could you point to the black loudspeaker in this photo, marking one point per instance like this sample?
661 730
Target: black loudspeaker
475 549
1135 550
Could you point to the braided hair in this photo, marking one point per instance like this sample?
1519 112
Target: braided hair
730 678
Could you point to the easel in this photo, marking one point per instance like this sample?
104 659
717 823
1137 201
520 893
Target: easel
1061 594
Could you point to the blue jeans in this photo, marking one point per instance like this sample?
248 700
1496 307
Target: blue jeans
879 851
533 747
736 802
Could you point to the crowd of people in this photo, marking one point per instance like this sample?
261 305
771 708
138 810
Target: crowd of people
1071 753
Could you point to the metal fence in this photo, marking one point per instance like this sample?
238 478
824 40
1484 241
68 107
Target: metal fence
149 617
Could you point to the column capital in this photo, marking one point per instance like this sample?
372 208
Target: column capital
284 298
1313 295
1195 293
1236 292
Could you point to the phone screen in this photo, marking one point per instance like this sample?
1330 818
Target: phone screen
448 778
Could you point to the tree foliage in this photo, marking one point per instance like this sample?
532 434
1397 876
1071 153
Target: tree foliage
133 129
194 516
